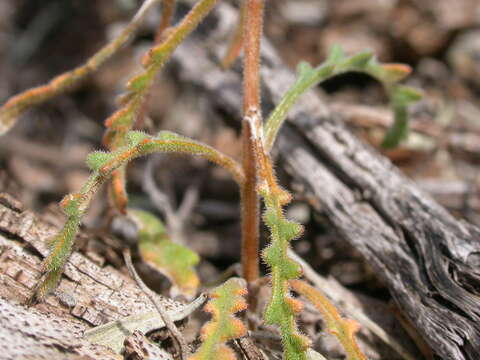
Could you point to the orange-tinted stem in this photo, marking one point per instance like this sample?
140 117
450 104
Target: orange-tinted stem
251 103
252 35
236 43
168 8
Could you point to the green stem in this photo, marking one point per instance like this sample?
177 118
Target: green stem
104 165
337 63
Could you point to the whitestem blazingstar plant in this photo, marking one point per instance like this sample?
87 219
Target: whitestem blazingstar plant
225 301
255 174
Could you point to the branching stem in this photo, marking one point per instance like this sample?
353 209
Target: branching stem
104 164
139 86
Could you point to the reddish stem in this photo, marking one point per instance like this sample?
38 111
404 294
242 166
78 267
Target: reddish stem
168 7
251 104
236 43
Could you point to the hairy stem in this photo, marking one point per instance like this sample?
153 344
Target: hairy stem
251 104
139 86
104 165
236 43
16 105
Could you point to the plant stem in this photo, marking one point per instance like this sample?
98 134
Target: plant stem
139 87
252 36
168 8
17 104
251 105
236 43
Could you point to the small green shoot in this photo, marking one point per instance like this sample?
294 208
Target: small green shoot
338 63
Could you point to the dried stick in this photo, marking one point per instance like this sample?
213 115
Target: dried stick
176 334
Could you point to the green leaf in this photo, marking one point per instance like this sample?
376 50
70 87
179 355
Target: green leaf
97 159
405 95
399 131
175 261
336 55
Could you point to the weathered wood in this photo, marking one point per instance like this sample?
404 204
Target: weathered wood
428 259
30 335
88 295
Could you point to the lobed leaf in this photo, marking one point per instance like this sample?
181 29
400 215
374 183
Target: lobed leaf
343 329
226 301
282 308
104 165
138 87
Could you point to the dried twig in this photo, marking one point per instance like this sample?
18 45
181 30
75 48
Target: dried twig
177 336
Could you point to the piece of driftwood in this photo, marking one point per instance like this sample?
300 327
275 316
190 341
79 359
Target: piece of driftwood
428 259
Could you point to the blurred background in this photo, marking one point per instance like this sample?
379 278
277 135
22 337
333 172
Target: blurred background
43 157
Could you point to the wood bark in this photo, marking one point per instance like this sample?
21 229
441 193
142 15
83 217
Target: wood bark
428 259
88 295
